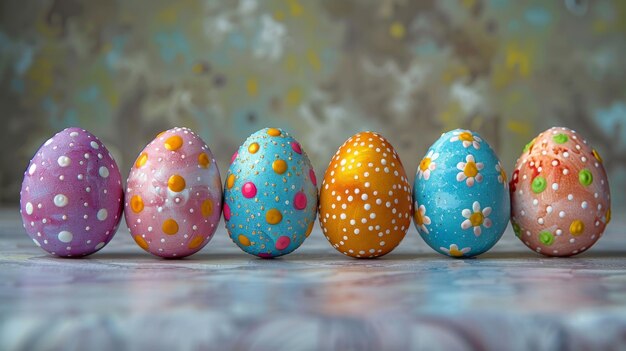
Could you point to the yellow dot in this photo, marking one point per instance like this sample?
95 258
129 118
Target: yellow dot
309 229
244 240
273 132
204 160
577 227
141 242
136 203
279 166
230 181
273 216
170 227
397 30
176 183
195 242
141 160
173 143
207 208
253 148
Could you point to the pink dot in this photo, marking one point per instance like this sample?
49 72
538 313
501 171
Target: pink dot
232 159
282 242
248 190
226 212
312 176
299 201
296 147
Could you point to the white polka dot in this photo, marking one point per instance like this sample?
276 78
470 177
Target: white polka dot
74 134
555 186
64 161
29 208
102 214
94 145
584 204
562 214
342 216
364 197
32 169
99 246
65 236
367 207
570 197
36 242
104 172
48 142
60 200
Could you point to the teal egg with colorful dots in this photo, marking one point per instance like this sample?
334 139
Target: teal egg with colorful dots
270 196
461 199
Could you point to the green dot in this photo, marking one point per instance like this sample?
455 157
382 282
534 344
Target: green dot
517 229
546 238
529 145
539 184
585 177
560 138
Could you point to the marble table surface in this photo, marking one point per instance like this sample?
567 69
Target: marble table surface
122 298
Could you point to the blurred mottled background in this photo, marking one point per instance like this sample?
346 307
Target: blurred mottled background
323 70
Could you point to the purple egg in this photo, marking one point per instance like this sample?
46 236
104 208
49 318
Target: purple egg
72 198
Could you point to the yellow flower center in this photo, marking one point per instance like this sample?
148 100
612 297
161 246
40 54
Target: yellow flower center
419 219
425 163
455 252
466 136
470 169
477 219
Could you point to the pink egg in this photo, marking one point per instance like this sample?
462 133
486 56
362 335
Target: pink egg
71 198
560 198
174 195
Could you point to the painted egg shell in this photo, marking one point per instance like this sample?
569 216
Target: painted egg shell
71 198
365 199
173 197
270 196
461 198
560 197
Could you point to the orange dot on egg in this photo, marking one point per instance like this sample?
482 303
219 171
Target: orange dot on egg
141 160
195 242
273 216
203 160
141 242
207 208
244 240
253 148
230 181
273 132
173 143
170 227
176 183
136 203
279 166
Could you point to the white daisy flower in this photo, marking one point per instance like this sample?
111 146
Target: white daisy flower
454 250
476 218
467 138
470 171
421 219
427 165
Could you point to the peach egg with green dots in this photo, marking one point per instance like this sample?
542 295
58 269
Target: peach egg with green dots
560 197
71 197
270 195
173 196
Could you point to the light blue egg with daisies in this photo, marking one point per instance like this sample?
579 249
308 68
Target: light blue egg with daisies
270 194
461 196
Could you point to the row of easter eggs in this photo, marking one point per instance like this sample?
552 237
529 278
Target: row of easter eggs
558 200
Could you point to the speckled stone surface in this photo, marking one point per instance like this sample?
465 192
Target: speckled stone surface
316 298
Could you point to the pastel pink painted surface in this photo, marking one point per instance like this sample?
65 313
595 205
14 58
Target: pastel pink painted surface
174 218
560 198
71 198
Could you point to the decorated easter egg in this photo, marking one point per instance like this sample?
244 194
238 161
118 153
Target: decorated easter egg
365 198
173 196
461 198
560 197
270 195
71 198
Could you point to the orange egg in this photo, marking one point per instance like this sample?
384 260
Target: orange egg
365 200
